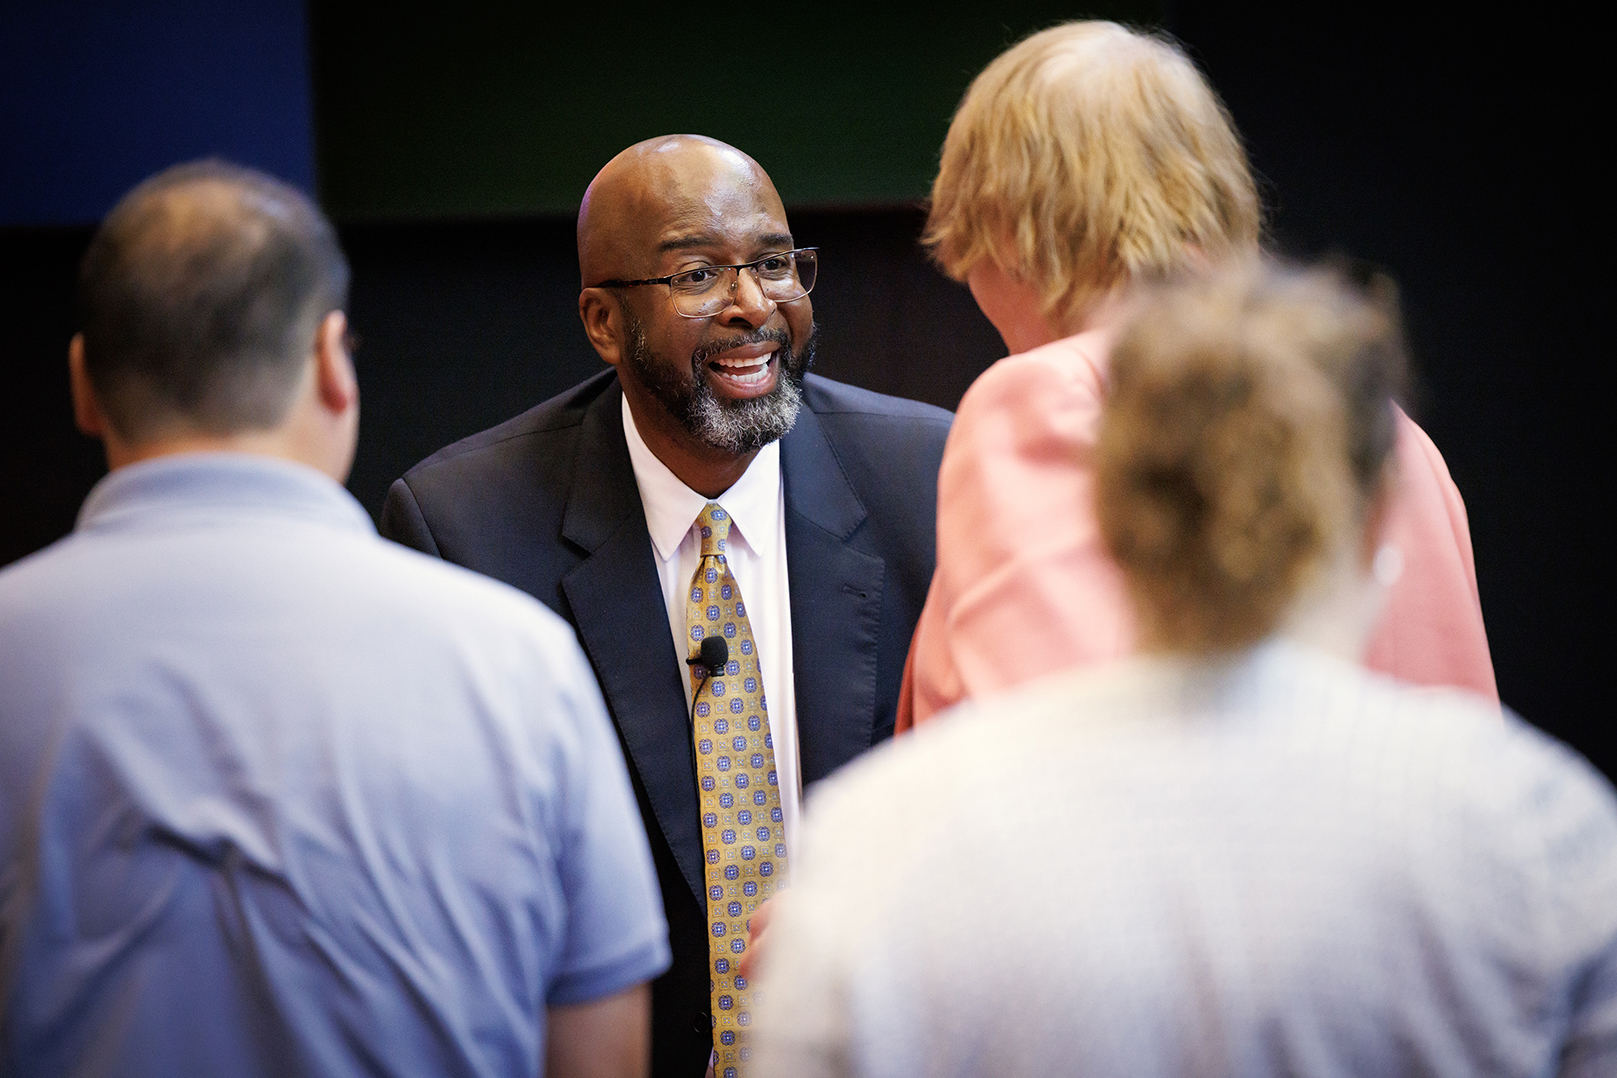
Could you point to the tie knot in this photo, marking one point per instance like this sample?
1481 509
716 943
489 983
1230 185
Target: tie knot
715 525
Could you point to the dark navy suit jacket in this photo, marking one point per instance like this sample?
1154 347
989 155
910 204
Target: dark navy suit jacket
547 502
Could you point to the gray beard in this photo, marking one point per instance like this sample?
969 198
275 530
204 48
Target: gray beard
731 426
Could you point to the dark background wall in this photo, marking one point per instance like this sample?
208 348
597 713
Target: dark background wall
451 143
95 95
1457 151
499 108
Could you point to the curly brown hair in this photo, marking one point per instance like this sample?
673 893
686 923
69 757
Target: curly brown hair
1250 419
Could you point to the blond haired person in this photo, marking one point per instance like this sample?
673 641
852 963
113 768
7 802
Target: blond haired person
1239 853
1081 161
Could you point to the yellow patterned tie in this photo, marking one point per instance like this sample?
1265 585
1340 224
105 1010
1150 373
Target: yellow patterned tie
743 839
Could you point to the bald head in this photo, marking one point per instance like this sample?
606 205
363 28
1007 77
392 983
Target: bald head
663 192
200 297
707 390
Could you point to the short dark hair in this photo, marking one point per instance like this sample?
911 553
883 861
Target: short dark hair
200 296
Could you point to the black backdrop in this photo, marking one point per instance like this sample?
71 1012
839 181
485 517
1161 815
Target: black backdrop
1456 155
1458 152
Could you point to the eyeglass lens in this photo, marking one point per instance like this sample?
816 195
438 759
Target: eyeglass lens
706 291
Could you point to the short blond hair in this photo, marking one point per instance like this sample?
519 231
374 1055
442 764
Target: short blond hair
1248 428
1097 155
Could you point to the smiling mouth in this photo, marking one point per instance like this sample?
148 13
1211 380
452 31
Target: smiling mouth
748 373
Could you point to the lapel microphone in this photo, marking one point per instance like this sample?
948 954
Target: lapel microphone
715 652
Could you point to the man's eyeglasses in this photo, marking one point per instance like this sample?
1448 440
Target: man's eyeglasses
707 290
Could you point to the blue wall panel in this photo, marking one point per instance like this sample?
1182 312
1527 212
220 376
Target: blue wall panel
97 94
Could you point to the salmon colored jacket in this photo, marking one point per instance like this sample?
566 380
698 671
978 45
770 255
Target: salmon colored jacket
1024 586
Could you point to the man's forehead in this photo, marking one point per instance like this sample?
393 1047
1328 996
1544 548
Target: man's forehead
678 194
699 207
739 232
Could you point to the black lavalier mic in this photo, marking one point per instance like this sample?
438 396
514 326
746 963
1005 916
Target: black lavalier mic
714 654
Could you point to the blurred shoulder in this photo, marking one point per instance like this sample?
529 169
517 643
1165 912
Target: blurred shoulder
918 783
1073 366
424 590
37 582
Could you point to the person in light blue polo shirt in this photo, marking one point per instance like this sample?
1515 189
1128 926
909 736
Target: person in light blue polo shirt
278 796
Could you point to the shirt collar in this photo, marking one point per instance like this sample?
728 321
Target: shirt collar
211 484
753 502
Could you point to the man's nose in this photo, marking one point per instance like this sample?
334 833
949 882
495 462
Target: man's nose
747 301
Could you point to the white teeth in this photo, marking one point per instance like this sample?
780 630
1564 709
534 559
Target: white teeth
745 362
757 370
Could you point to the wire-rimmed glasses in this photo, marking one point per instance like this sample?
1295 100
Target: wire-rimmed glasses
707 290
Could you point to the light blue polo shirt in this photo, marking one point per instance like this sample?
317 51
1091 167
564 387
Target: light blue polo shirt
280 797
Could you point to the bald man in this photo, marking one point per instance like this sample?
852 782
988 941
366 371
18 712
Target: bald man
696 296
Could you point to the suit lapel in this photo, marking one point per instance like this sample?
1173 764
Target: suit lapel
618 609
836 594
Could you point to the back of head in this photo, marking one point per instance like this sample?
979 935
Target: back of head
1085 156
199 299
1248 426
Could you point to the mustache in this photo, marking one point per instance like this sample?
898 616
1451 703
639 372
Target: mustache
713 348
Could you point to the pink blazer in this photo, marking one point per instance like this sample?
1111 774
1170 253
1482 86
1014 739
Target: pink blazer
1024 586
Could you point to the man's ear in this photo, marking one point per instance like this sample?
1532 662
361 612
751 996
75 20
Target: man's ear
334 379
603 323
87 413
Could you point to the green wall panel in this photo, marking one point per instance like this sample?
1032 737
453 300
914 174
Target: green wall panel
492 109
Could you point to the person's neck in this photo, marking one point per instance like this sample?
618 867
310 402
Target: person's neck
1335 613
121 454
286 442
1032 332
708 471
1338 610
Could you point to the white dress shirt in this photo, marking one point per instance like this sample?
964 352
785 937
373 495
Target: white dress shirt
757 557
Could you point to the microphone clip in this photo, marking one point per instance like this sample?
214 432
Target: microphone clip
712 655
